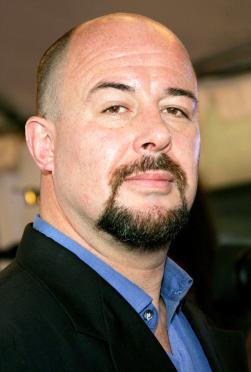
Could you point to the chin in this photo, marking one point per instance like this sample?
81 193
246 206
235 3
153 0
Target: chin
148 230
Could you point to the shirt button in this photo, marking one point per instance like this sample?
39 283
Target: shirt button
148 315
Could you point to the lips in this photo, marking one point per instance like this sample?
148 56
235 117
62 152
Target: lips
152 176
154 181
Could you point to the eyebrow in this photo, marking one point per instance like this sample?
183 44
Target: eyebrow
114 85
127 88
182 92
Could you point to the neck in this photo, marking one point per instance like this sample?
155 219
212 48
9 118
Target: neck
144 269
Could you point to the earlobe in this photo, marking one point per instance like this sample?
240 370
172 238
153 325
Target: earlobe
39 134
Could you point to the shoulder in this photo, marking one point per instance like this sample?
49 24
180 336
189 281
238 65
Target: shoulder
26 303
37 331
33 325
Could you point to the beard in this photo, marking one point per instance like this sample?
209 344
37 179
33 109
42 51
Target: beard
145 231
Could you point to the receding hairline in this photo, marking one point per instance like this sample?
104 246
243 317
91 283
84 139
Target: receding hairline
47 74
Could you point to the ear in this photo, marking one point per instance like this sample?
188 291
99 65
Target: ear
40 138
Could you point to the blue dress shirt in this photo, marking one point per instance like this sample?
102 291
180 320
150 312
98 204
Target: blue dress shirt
187 354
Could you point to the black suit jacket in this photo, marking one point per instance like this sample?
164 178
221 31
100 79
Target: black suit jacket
58 315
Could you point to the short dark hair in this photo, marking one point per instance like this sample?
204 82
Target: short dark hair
48 81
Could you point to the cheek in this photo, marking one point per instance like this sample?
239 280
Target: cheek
84 160
187 145
187 152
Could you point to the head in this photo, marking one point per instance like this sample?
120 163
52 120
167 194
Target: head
116 134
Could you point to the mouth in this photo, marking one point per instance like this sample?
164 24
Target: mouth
160 180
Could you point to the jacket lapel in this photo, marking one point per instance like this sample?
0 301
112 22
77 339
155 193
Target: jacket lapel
224 349
205 336
132 345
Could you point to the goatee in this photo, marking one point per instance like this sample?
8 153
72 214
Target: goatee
149 230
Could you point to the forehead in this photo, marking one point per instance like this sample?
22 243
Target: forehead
125 51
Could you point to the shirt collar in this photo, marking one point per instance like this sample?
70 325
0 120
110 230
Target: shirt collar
175 285
133 294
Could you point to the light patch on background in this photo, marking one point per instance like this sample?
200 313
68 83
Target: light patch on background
225 118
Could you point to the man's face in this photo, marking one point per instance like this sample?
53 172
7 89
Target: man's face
124 106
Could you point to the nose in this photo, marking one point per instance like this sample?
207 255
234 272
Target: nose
152 135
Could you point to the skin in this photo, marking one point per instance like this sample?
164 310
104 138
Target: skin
100 129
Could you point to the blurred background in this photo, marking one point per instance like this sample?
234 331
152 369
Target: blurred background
215 246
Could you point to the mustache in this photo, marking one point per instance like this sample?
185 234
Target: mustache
147 163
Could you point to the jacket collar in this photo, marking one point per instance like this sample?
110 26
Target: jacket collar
74 284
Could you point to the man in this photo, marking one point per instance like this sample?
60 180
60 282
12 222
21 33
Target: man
117 140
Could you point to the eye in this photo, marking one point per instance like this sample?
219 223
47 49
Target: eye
176 112
116 109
